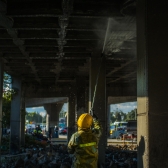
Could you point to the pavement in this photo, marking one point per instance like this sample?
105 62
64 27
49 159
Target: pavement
63 140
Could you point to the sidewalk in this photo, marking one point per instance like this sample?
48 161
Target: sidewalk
62 139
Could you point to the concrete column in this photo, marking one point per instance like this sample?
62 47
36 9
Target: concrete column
47 107
54 114
71 116
15 120
47 121
152 84
53 111
1 92
108 120
80 97
99 100
23 109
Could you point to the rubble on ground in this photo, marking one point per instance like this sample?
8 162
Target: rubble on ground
121 156
48 155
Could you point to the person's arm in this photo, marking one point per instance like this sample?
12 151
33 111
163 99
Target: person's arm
72 145
97 128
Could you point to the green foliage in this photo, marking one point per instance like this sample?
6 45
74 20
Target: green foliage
62 114
32 141
29 141
117 116
132 115
35 117
8 92
6 108
5 144
6 81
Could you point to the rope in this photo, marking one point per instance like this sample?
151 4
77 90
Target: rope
94 95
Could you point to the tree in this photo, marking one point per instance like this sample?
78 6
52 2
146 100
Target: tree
8 92
112 117
117 116
6 100
35 117
6 109
132 115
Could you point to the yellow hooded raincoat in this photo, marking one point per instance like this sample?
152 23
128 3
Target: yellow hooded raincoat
84 145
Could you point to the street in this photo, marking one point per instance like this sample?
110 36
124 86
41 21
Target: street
63 139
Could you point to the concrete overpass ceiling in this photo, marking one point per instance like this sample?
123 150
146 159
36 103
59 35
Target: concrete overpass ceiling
35 102
49 43
117 100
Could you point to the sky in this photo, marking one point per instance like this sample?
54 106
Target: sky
124 107
39 110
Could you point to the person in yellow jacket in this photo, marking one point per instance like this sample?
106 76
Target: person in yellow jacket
84 143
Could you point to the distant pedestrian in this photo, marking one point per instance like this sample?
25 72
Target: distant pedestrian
56 132
49 133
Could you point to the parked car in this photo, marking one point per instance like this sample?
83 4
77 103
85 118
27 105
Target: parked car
132 126
63 131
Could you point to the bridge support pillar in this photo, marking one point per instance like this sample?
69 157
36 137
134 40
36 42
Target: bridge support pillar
152 84
47 107
71 116
54 114
47 122
99 100
108 120
53 111
1 92
15 120
23 109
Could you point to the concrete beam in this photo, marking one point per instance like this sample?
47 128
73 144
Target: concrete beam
3 7
111 90
34 102
116 100
71 116
8 24
120 91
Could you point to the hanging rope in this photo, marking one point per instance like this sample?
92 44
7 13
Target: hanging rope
94 95
102 55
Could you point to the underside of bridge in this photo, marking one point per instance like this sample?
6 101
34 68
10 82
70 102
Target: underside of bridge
48 44
56 48
60 49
